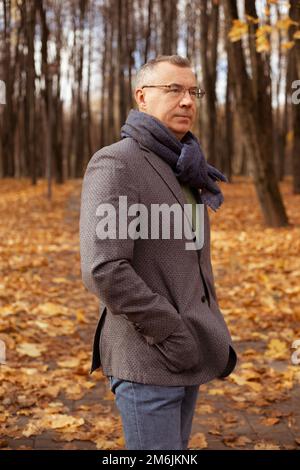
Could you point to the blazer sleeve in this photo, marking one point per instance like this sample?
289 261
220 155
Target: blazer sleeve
106 264
206 257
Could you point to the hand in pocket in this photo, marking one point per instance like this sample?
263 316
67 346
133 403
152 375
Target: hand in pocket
181 350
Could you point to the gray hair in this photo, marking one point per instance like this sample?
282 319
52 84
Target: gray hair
144 73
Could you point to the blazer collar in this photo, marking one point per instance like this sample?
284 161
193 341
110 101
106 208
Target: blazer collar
165 172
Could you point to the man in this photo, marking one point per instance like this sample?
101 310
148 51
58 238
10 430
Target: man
161 332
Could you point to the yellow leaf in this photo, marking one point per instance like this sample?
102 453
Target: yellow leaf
74 392
106 444
297 34
216 391
262 30
290 137
238 30
31 429
81 316
263 445
252 19
285 23
262 43
30 349
255 386
42 324
198 441
277 350
49 309
287 45
57 421
60 280
205 409
238 379
69 363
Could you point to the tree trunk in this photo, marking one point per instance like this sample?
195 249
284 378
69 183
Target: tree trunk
79 133
168 17
228 156
208 54
122 59
295 68
29 10
9 115
248 94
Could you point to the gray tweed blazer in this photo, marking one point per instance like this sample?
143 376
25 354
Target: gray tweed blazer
160 322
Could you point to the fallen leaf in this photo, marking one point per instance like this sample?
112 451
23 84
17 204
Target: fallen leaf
30 349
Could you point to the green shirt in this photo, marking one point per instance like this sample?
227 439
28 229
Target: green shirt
190 199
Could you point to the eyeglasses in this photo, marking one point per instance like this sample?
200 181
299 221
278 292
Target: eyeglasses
177 90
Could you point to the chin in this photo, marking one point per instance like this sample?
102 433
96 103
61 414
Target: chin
181 127
181 130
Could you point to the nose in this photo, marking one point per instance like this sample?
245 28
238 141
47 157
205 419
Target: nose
186 99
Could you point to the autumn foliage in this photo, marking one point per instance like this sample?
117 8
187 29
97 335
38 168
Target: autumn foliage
47 320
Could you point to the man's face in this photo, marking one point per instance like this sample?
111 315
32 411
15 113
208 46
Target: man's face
178 113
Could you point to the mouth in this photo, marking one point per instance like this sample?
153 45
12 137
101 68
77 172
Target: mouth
183 117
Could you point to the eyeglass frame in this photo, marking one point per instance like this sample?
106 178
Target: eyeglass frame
183 89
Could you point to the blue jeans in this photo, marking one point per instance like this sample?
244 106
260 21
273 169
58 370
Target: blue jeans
155 416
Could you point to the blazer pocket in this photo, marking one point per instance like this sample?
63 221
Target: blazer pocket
180 351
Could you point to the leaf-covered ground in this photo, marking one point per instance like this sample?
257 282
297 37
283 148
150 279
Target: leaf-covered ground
48 399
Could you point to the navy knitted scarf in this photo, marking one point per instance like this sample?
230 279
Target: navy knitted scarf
185 157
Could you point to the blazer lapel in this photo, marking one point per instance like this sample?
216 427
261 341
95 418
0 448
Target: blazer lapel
166 173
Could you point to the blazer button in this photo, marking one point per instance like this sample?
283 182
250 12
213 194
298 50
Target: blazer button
137 326
203 298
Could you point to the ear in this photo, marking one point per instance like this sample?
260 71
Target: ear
139 97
